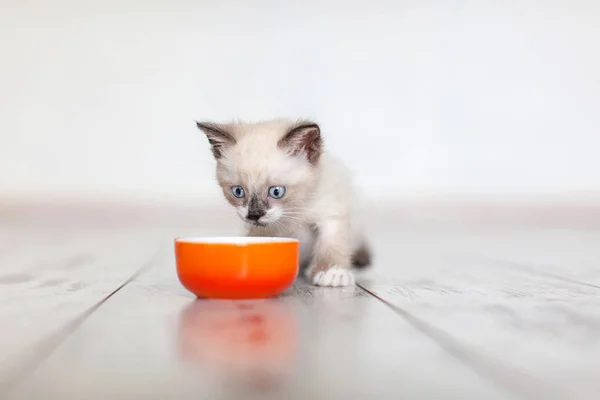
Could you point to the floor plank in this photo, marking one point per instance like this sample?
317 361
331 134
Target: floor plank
546 326
465 311
49 278
152 341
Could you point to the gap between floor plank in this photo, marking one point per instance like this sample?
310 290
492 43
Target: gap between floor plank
508 378
49 344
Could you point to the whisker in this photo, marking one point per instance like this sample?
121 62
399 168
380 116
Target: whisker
294 221
292 217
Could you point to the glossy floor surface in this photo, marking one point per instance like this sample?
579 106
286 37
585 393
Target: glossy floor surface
451 309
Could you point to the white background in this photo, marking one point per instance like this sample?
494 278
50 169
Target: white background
448 98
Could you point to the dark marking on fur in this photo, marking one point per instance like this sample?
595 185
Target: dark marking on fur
256 208
305 138
362 256
218 138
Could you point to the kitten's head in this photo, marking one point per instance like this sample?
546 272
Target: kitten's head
267 170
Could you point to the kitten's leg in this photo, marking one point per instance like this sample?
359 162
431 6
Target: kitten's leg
305 234
333 255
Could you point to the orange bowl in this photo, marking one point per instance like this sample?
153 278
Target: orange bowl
237 267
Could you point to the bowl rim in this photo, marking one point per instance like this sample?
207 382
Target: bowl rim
235 240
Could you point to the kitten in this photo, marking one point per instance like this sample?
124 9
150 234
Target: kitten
282 183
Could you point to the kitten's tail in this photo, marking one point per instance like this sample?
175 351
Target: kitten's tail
362 257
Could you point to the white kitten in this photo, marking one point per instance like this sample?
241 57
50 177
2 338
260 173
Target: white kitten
282 183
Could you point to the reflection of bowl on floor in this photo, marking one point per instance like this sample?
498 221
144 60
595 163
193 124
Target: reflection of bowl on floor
251 337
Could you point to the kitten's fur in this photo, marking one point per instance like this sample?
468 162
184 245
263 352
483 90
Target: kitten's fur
319 206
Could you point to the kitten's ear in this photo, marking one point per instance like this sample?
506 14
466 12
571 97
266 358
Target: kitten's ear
304 139
218 137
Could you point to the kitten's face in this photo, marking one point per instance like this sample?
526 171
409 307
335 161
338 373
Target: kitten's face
266 170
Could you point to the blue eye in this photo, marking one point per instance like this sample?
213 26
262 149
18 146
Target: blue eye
276 192
238 192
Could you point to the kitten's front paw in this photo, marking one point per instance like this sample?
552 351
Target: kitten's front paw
334 276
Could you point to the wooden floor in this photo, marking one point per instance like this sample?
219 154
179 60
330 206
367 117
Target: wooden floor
452 309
